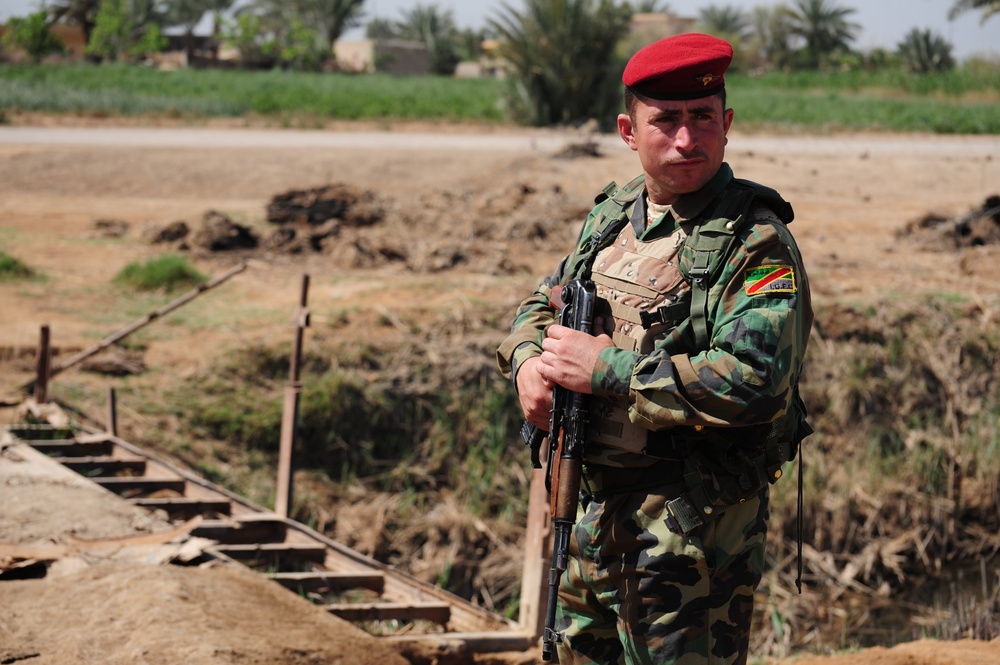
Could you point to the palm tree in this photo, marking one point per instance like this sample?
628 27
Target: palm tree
648 7
724 21
823 26
770 38
989 7
330 18
924 52
562 58
435 28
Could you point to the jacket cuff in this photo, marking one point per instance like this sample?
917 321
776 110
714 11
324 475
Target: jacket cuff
613 372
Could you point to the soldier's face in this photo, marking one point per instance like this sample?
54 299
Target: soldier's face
681 144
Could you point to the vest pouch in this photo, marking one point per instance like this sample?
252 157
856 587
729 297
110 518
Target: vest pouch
782 438
723 467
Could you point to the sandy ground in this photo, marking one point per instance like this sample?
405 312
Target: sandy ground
852 195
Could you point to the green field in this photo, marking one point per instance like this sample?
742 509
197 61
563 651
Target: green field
960 102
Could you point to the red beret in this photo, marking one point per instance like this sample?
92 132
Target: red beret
685 66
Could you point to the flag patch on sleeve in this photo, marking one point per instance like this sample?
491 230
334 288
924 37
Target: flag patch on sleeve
769 279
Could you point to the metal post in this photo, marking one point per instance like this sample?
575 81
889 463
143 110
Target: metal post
112 422
290 414
42 368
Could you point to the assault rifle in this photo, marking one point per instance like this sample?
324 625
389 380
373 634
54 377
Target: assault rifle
566 436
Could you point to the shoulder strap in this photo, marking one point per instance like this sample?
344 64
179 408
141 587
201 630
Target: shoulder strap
613 202
711 243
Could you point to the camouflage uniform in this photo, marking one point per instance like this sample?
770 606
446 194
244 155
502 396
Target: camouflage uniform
667 416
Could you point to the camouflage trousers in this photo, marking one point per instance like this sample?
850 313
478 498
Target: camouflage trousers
636 593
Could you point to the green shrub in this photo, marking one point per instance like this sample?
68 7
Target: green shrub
167 273
12 269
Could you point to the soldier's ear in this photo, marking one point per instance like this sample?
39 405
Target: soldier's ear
626 129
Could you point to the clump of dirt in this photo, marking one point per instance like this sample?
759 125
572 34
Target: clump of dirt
220 233
483 231
978 227
217 232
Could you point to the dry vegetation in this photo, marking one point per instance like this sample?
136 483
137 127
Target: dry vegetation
416 266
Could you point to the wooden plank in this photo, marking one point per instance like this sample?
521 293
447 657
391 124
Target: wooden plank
104 465
239 532
144 485
457 645
436 612
326 580
182 508
30 433
300 552
72 447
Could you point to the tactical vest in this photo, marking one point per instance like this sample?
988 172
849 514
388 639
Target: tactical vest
646 292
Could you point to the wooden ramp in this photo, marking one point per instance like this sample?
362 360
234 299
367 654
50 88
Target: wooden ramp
346 583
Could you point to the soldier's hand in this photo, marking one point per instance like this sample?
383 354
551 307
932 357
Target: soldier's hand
534 393
569 357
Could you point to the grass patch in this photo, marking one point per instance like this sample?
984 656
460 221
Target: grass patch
309 97
12 269
164 273
959 102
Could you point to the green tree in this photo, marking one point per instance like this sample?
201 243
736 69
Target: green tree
31 35
924 52
331 18
770 41
381 28
988 7
81 13
244 33
561 55
727 21
287 23
648 7
125 29
730 23
824 27
435 28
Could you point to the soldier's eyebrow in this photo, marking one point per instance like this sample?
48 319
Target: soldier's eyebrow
706 109
671 114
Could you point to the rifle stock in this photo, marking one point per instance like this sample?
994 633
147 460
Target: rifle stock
566 436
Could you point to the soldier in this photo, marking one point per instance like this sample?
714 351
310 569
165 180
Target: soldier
704 313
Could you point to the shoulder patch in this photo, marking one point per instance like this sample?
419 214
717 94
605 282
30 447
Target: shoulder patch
765 280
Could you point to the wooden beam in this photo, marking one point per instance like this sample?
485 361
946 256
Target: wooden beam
323 579
103 464
300 552
183 507
238 532
71 447
436 612
127 484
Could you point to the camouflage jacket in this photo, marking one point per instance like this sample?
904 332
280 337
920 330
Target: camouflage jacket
758 329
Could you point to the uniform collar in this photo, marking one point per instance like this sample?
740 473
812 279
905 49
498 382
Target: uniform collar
690 206
687 206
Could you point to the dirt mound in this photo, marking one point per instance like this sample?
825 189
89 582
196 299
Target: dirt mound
978 227
483 231
135 613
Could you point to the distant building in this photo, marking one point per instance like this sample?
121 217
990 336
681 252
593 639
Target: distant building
391 56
